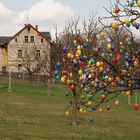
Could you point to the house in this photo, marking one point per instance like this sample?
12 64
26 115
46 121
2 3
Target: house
14 48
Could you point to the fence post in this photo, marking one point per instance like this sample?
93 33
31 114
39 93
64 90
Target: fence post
10 81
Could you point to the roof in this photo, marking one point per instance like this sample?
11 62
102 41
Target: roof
4 39
46 34
43 34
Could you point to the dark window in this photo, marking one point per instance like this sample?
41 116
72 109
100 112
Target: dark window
38 53
28 28
32 39
19 67
15 39
41 40
26 39
19 53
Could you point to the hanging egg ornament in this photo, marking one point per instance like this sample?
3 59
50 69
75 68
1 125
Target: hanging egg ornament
78 47
82 64
108 107
90 97
121 83
101 69
109 79
72 87
78 52
117 10
127 93
137 26
70 75
55 73
117 79
81 110
67 113
102 34
128 24
81 58
103 96
134 23
68 82
100 110
109 46
94 107
114 60
131 4
129 43
110 55
64 49
85 111
116 103
116 28
57 77
72 82
113 25
91 119
98 64
136 106
92 61
67 93
89 103
135 63
58 65
62 79
69 55
74 41
126 20
80 72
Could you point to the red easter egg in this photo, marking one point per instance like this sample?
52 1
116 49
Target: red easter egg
114 60
72 87
136 106
82 64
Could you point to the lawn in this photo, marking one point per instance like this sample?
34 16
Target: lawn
28 113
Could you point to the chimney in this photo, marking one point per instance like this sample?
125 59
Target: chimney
36 26
25 25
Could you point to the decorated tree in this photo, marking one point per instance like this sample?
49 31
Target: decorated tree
95 67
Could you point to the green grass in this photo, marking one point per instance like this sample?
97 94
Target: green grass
29 114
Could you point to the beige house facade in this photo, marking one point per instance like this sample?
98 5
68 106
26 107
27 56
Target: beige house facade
26 49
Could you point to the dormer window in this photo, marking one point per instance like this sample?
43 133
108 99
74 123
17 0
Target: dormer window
28 28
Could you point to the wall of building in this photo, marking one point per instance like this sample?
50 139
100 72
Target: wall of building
3 58
18 43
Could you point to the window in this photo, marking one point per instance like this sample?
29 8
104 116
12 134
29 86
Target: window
32 39
41 40
15 39
19 67
38 53
26 39
19 53
28 28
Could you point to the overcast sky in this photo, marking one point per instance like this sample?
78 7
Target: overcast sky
46 13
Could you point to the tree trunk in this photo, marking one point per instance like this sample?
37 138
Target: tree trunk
74 119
